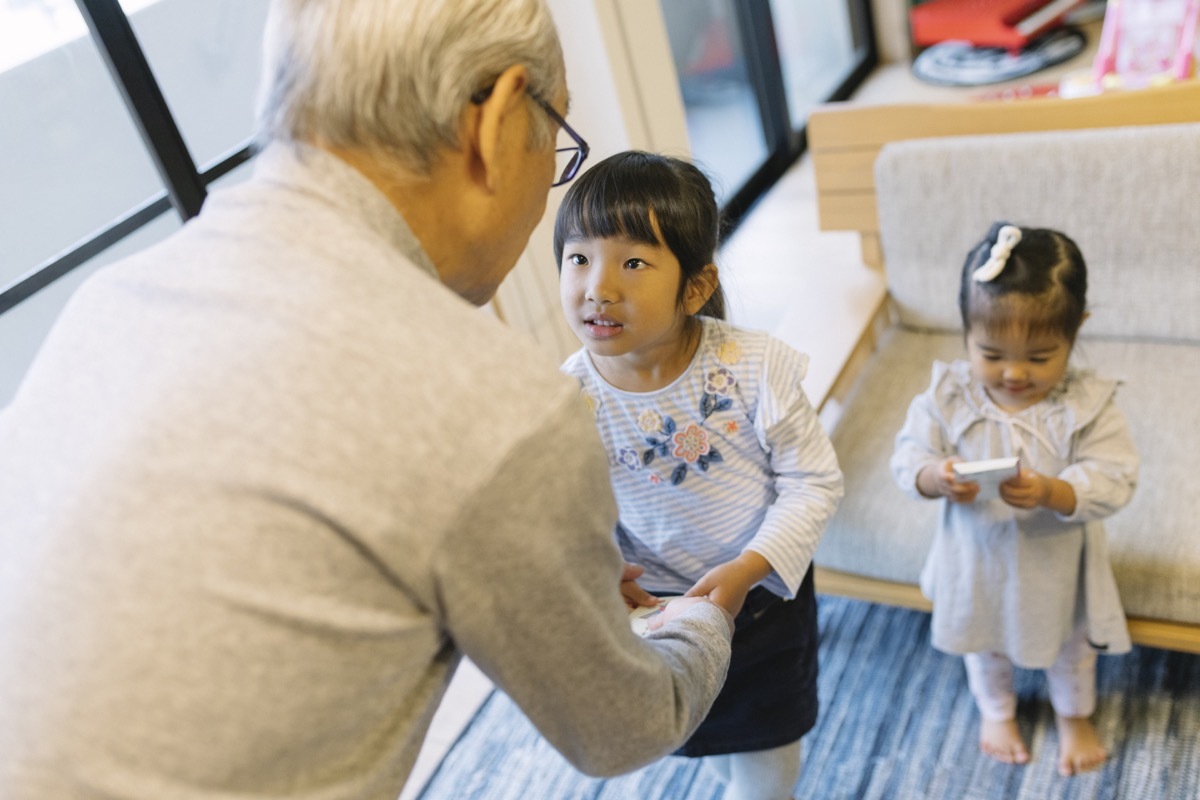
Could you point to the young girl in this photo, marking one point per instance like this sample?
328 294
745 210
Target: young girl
723 477
1023 578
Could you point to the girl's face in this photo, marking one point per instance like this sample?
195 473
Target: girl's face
1017 369
621 299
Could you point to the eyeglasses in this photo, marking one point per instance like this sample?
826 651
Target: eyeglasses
568 159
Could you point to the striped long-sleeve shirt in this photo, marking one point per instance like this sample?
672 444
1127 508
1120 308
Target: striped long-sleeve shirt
728 457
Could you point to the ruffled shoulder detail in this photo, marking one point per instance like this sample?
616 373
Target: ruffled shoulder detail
578 365
783 371
1082 396
959 400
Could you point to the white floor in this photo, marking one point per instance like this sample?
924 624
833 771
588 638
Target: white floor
784 275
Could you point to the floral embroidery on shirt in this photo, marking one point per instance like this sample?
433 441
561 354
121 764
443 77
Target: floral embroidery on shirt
661 447
589 400
729 352
650 421
691 443
732 426
711 402
629 458
719 381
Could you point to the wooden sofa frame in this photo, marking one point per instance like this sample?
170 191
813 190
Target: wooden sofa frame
843 141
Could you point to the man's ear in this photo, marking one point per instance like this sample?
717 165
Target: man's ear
699 289
491 125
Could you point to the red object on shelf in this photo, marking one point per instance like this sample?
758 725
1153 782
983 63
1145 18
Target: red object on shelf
1010 24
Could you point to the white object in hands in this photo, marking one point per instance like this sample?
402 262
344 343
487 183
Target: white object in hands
639 618
988 473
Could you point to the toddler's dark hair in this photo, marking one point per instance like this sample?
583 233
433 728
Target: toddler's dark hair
1042 288
617 196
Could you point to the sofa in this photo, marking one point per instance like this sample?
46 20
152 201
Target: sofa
1120 175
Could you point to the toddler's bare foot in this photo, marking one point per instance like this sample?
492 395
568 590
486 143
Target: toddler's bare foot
1079 748
1001 740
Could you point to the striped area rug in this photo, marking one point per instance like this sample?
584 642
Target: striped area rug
896 723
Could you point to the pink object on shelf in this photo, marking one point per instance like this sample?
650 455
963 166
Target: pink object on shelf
1144 42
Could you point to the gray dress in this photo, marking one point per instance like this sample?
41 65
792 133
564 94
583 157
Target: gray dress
1011 580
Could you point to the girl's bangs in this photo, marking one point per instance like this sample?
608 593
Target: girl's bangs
606 212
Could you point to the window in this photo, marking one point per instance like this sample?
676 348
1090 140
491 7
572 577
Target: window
117 117
751 70
723 120
71 159
205 55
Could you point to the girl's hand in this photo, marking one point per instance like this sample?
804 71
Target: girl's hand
939 480
633 594
1027 489
1031 489
727 584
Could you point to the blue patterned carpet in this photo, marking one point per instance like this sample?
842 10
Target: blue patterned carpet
896 723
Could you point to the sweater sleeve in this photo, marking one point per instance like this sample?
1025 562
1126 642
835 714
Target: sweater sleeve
808 481
528 583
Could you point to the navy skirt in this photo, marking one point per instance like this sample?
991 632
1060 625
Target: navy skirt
770 695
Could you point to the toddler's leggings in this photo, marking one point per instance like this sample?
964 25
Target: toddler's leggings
1071 681
759 774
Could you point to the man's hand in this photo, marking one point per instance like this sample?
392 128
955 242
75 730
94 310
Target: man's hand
677 606
634 594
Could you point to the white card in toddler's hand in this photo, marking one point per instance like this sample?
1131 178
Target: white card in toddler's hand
639 618
989 474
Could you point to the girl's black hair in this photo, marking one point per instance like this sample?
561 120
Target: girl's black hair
1042 288
617 196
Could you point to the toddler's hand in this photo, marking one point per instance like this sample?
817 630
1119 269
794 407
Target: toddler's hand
939 480
633 594
1028 489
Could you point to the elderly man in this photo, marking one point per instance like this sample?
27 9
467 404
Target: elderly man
268 479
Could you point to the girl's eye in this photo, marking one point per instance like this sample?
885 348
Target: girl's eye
1039 360
577 259
990 357
634 263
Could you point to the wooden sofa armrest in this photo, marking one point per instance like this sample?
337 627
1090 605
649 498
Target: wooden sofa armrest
844 138
1146 632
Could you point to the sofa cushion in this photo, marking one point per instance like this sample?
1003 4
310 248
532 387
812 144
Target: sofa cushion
881 532
1126 195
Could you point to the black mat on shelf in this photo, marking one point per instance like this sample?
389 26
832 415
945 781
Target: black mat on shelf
962 64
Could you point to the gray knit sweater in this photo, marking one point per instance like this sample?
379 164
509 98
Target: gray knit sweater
263 485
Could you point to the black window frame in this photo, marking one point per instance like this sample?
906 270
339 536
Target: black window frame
185 186
785 144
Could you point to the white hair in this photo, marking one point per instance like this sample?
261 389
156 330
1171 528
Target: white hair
396 74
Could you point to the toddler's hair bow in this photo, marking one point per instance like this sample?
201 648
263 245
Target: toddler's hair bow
1006 239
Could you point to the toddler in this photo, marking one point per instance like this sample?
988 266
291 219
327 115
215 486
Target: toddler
1023 578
